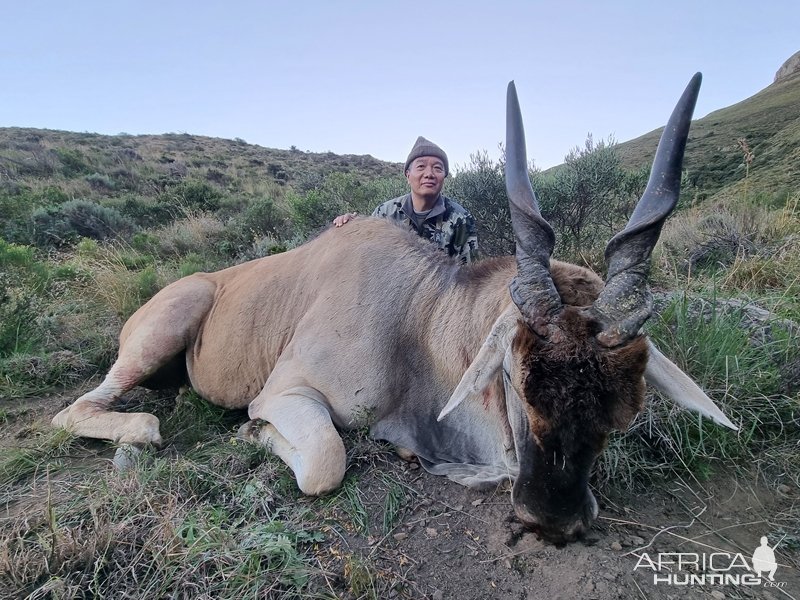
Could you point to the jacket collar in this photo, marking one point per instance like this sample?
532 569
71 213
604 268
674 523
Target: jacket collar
437 210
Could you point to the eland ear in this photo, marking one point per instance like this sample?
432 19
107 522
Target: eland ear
487 362
670 380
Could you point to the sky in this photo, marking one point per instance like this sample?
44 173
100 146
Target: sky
369 77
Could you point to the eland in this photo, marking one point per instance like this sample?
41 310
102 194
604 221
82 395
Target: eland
515 368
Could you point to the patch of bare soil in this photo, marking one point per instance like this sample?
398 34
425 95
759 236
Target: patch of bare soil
452 542
459 543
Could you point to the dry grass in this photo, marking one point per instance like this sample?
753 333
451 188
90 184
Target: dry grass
195 233
205 518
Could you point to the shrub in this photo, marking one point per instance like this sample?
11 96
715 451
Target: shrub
587 199
310 211
261 217
40 164
340 193
99 182
19 262
65 224
193 263
193 195
148 212
481 189
17 203
73 162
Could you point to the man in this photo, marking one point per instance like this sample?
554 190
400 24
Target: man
425 210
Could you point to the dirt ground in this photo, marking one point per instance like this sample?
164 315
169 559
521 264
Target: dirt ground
452 542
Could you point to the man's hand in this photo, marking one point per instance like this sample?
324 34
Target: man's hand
345 218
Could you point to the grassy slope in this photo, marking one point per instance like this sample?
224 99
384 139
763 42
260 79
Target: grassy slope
769 121
33 150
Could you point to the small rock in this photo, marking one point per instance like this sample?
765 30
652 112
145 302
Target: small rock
458 507
717 595
431 532
437 595
477 502
400 536
126 456
636 540
784 489
609 576
413 466
507 563
600 586
616 546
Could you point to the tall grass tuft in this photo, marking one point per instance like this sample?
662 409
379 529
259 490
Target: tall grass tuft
739 358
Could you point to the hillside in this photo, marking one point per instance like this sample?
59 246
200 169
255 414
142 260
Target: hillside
769 122
142 162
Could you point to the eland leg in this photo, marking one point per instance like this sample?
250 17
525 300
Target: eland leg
151 340
300 431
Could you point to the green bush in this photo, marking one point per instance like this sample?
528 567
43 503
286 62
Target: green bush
148 212
99 182
587 199
260 218
481 189
17 203
23 280
338 194
73 162
192 195
67 223
310 211
146 285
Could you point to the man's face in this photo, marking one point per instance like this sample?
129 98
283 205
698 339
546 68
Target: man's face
426 176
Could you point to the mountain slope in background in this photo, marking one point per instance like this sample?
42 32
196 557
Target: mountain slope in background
768 124
142 162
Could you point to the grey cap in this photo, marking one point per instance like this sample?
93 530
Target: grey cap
423 147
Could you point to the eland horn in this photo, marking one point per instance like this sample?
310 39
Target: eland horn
532 289
625 303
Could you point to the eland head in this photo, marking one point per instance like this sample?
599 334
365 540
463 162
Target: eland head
576 373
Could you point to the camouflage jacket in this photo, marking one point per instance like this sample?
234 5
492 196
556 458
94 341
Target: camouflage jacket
448 225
